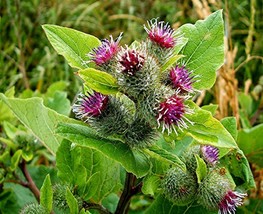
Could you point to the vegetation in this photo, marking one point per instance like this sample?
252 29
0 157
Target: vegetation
30 67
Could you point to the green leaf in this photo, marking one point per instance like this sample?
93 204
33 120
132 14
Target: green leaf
72 202
46 194
70 169
41 120
111 202
250 141
230 124
204 51
180 43
59 103
15 159
208 130
132 160
161 205
72 44
5 113
56 86
211 107
165 156
239 168
99 81
170 62
246 103
201 169
92 173
151 183
27 155
18 197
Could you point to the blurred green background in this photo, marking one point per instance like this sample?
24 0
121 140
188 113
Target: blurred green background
31 66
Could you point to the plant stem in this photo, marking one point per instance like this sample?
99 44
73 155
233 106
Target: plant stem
31 184
98 207
128 192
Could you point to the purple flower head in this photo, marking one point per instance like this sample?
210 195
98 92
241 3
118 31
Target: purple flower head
171 112
90 106
160 33
230 202
180 79
210 154
106 51
131 61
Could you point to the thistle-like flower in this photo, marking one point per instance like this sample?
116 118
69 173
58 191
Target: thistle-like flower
230 202
171 114
180 78
106 51
210 154
160 33
90 106
131 61
215 193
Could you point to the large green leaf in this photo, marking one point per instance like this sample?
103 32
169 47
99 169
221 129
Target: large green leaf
41 120
165 156
208 130
132 160
251 142
72 44
204 51
163 206
91 172
230 124
99 81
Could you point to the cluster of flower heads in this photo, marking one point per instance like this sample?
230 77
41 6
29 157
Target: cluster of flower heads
159 96
214 192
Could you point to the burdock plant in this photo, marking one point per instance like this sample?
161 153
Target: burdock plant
137 115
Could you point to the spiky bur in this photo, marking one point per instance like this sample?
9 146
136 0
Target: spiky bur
59 197
171 113
106 114
179 186
210 154
137 72
140 134
215 193
103 55
212 190
189 158
179 78
113 120
147 105
34 208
